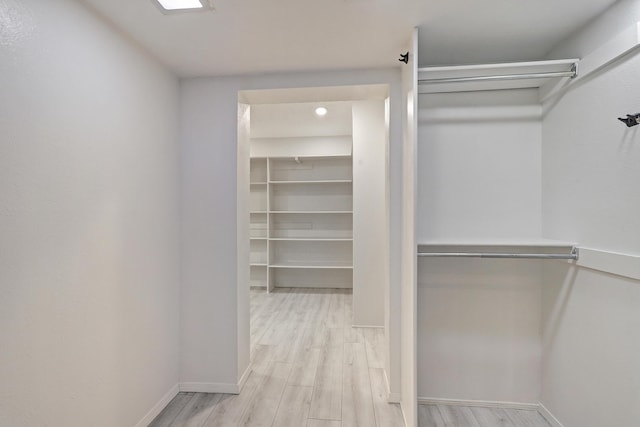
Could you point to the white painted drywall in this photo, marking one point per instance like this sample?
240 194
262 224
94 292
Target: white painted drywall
408 247
602 28
302 146
370 215
590 195
479 180
479 329
209 329
479 166
591 347
89 229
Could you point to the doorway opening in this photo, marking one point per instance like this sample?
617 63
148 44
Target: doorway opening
313 271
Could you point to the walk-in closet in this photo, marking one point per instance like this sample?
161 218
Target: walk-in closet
351 213
509 213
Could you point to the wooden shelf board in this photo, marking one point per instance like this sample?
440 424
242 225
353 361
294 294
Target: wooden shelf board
311 212
312 267
528 242
309 157
310 239
316 181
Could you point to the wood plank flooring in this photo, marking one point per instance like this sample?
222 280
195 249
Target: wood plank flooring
310 368
462 416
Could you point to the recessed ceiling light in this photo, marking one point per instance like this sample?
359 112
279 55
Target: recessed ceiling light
321 111
178 5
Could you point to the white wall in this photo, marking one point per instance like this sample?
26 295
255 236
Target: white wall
479 181
591 368
370 213
89 243
209 218
479 166
479 330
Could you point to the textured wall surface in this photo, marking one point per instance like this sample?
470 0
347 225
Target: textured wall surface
591 171
89 247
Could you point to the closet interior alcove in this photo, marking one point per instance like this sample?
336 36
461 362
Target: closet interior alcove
479 232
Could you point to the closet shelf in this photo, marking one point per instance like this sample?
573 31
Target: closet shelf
258 264
333 266
310 212
312 157
319 181
532 249
516 75
310 239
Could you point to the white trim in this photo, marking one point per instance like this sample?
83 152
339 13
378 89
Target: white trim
549 416
625 43
158 407
626 265
210 388
367 326
243 378
394 398
616 48
391 397
477 403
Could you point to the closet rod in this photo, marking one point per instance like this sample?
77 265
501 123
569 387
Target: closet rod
573 73
572 256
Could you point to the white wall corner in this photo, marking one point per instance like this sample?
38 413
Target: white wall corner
210 388
158 407
548 416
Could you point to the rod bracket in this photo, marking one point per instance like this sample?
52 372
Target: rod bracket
404 57
631 120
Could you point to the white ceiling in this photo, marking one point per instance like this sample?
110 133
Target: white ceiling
258 36
299 119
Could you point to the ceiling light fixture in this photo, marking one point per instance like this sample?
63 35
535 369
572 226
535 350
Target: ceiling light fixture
168 6
321 111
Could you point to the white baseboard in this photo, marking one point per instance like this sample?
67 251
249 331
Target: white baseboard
158 407
210 388
549 416
478 403
243 378
391 397
367 326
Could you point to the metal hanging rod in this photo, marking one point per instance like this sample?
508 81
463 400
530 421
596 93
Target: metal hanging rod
571 256
527 76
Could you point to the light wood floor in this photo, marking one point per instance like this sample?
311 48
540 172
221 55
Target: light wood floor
310 368
460 416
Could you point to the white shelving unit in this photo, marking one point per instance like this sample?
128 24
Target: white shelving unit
259 223
302 221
